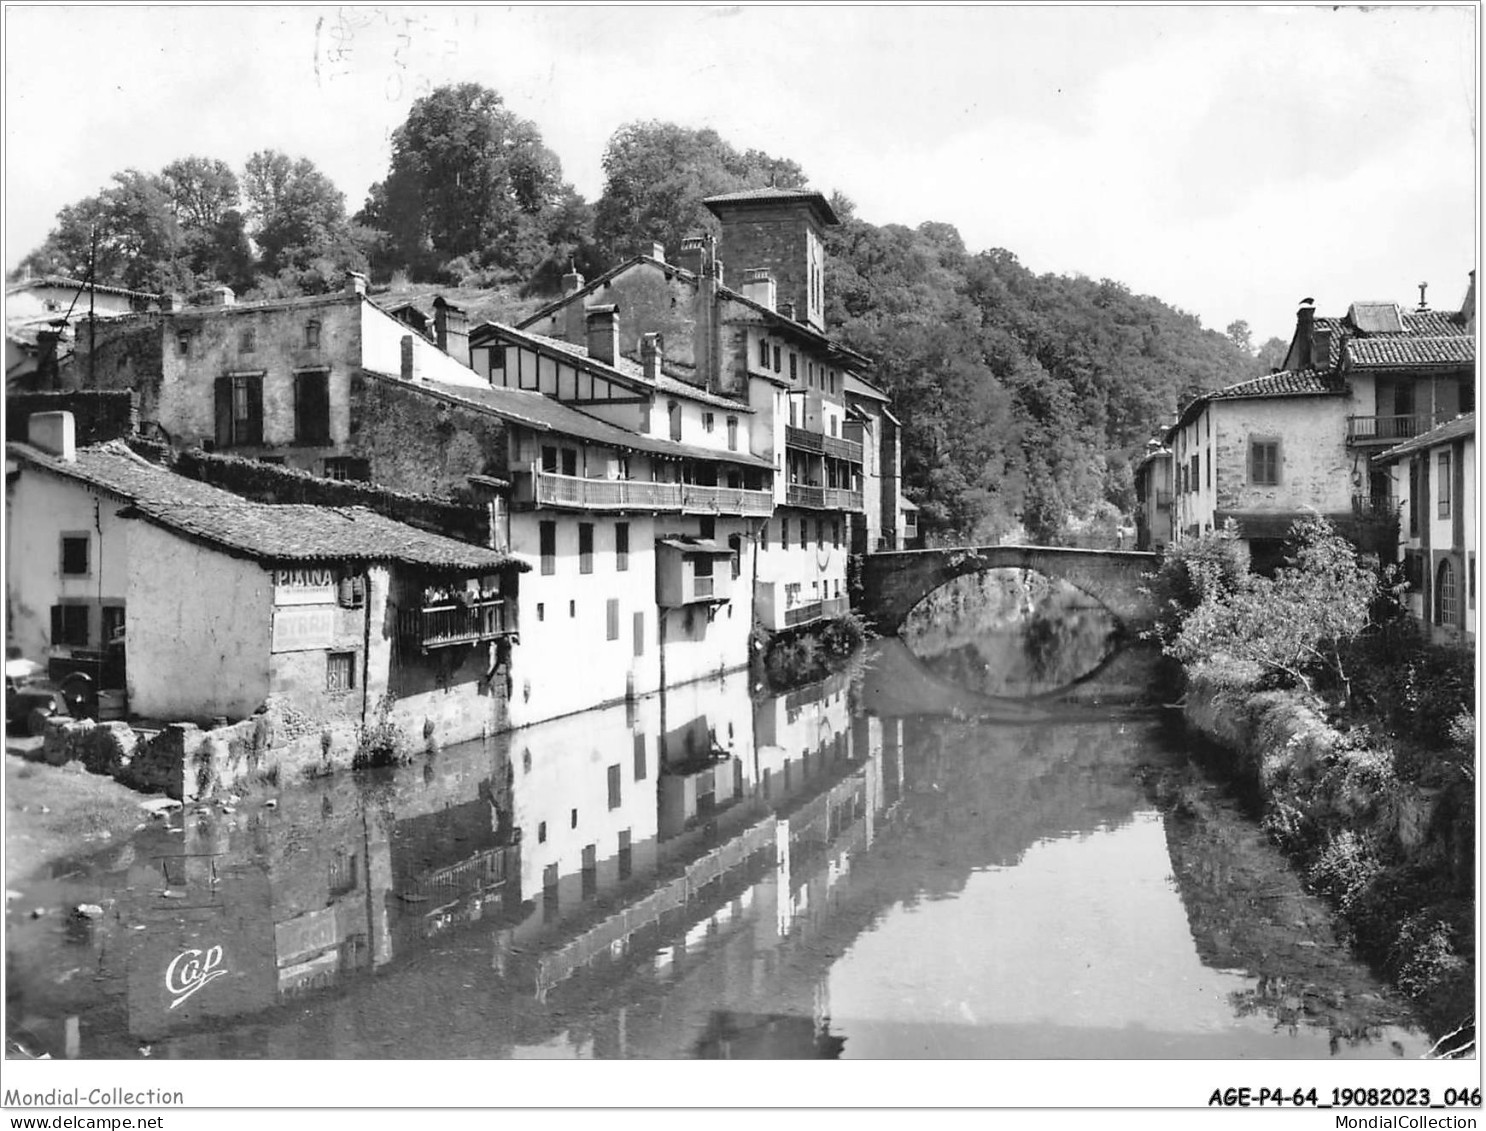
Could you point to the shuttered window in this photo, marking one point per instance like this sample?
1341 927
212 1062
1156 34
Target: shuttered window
312 407
239 410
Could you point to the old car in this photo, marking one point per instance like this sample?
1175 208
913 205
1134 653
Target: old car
31 697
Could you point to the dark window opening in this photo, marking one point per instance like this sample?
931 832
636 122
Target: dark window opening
75 555
70 626
585 547
547 532
340 671
621 546
312 407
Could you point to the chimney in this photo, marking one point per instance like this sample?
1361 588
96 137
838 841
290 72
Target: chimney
1423 303
407 357
223 295
355 283
693 253
451 328
1468 307
603 333
54 433
572 282
658 251
1304 319
788 310
758 286
652 347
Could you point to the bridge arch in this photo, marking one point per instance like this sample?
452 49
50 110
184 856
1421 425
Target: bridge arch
894 582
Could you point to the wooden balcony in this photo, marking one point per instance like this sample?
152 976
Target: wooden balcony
834 446
447 625
1366 431
550 489
822 498
815 610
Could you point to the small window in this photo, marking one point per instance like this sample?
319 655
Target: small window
570 461
1446 600
70 626
547 533
183 344
340 671
1442 486
763 352
735 544
611 618
347 469
312 335
778 359
763 536
732 433
541 832
585 547
674 410
573 819
833 425
703 566
572 609
1264 464
247 340
707 527
621 546
549 458
639 634
351 591
75 555
794 366
541 611
640 769
708 420
113 624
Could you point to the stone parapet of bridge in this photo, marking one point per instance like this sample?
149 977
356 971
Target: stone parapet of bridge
894 582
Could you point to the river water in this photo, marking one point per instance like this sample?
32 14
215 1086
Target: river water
975 842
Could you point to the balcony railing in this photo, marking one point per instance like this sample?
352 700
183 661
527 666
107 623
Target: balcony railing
833 446
1374 506
1388 429
822 498
814 610
553 490
442 626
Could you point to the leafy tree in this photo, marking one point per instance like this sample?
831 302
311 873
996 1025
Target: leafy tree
468 178
205 198
656 175
140 242
297 217
1295 625
1271 355
1239 334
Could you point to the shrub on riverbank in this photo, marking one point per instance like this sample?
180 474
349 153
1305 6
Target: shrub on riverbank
794 658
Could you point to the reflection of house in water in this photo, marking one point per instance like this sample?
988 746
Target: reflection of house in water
349 876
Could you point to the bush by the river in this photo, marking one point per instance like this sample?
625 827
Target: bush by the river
795 658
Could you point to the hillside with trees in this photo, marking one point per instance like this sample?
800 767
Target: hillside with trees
1024 396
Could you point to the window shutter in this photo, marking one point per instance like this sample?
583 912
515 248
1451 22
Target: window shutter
57 625
224 411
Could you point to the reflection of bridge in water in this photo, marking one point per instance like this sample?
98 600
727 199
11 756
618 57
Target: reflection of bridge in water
894 582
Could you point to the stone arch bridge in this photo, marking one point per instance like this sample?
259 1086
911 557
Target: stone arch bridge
894 582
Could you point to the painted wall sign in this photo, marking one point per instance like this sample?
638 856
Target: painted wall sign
304 586
303 628
191 970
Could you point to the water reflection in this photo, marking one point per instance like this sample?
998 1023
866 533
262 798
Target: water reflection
713 873
1010 632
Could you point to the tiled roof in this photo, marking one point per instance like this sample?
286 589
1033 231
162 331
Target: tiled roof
775 196
625 367
544 414
1464 425
1306 383
73 284
117 469
855 386
299 532
268 531
1435 323
1394 350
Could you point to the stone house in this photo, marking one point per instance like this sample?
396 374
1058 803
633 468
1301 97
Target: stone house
1297 442
886 514
760 343
281 381
204 605
1432 478
41 316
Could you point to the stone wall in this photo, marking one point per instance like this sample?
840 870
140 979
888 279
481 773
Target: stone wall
100 415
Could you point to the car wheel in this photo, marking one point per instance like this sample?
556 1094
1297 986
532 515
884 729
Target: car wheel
36 720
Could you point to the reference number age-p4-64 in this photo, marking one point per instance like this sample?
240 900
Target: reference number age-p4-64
1343 1097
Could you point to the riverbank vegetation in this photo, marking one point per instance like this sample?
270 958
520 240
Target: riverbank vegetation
791 659
1359 734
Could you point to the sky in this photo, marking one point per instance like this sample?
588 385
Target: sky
1228 160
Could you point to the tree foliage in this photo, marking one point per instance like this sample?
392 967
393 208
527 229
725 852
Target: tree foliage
470 180
297 218
656 175
1295 625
